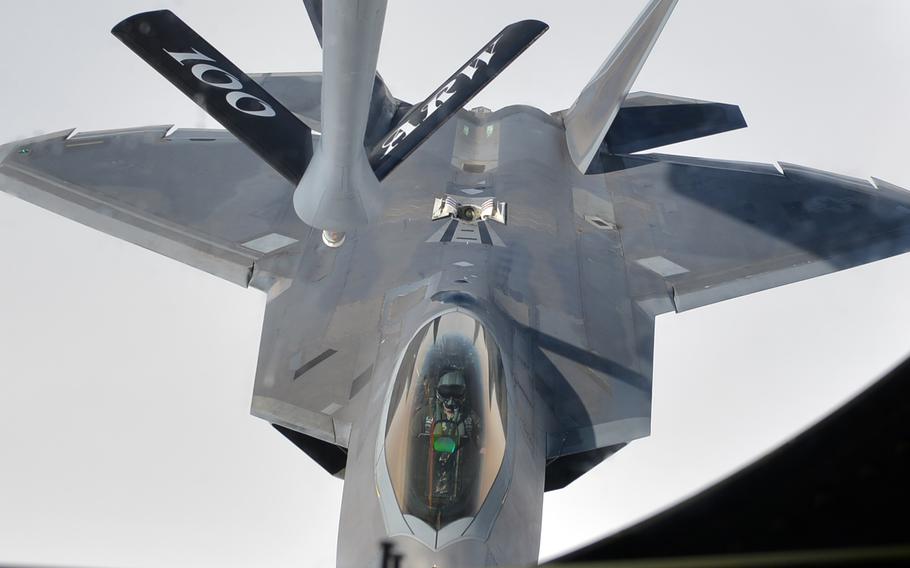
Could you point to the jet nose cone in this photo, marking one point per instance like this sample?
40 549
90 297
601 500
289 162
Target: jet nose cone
468 553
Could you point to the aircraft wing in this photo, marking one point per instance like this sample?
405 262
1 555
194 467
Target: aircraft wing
656 234
198 196
702 231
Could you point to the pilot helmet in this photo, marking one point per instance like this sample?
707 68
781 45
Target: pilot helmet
450 390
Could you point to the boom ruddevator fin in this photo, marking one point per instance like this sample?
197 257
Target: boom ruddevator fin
228 94
426 117
590 117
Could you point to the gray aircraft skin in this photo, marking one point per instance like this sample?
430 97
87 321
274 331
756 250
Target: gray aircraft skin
478 327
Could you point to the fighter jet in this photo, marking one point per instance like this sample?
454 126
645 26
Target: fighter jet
461 303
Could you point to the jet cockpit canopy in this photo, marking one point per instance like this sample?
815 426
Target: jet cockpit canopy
446 428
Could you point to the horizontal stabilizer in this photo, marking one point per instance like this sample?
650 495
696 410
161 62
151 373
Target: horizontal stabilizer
425 118
231 97
648 121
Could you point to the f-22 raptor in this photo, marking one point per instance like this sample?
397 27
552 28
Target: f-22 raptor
461 303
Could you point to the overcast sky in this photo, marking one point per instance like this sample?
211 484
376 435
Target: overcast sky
125 377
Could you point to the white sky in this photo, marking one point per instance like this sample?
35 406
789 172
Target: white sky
125 377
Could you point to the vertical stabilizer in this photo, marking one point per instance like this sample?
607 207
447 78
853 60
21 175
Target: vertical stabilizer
314 11
590 117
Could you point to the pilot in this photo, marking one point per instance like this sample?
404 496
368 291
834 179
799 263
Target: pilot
450 394
451 427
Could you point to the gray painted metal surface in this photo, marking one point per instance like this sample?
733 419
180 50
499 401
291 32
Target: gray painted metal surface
567 287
